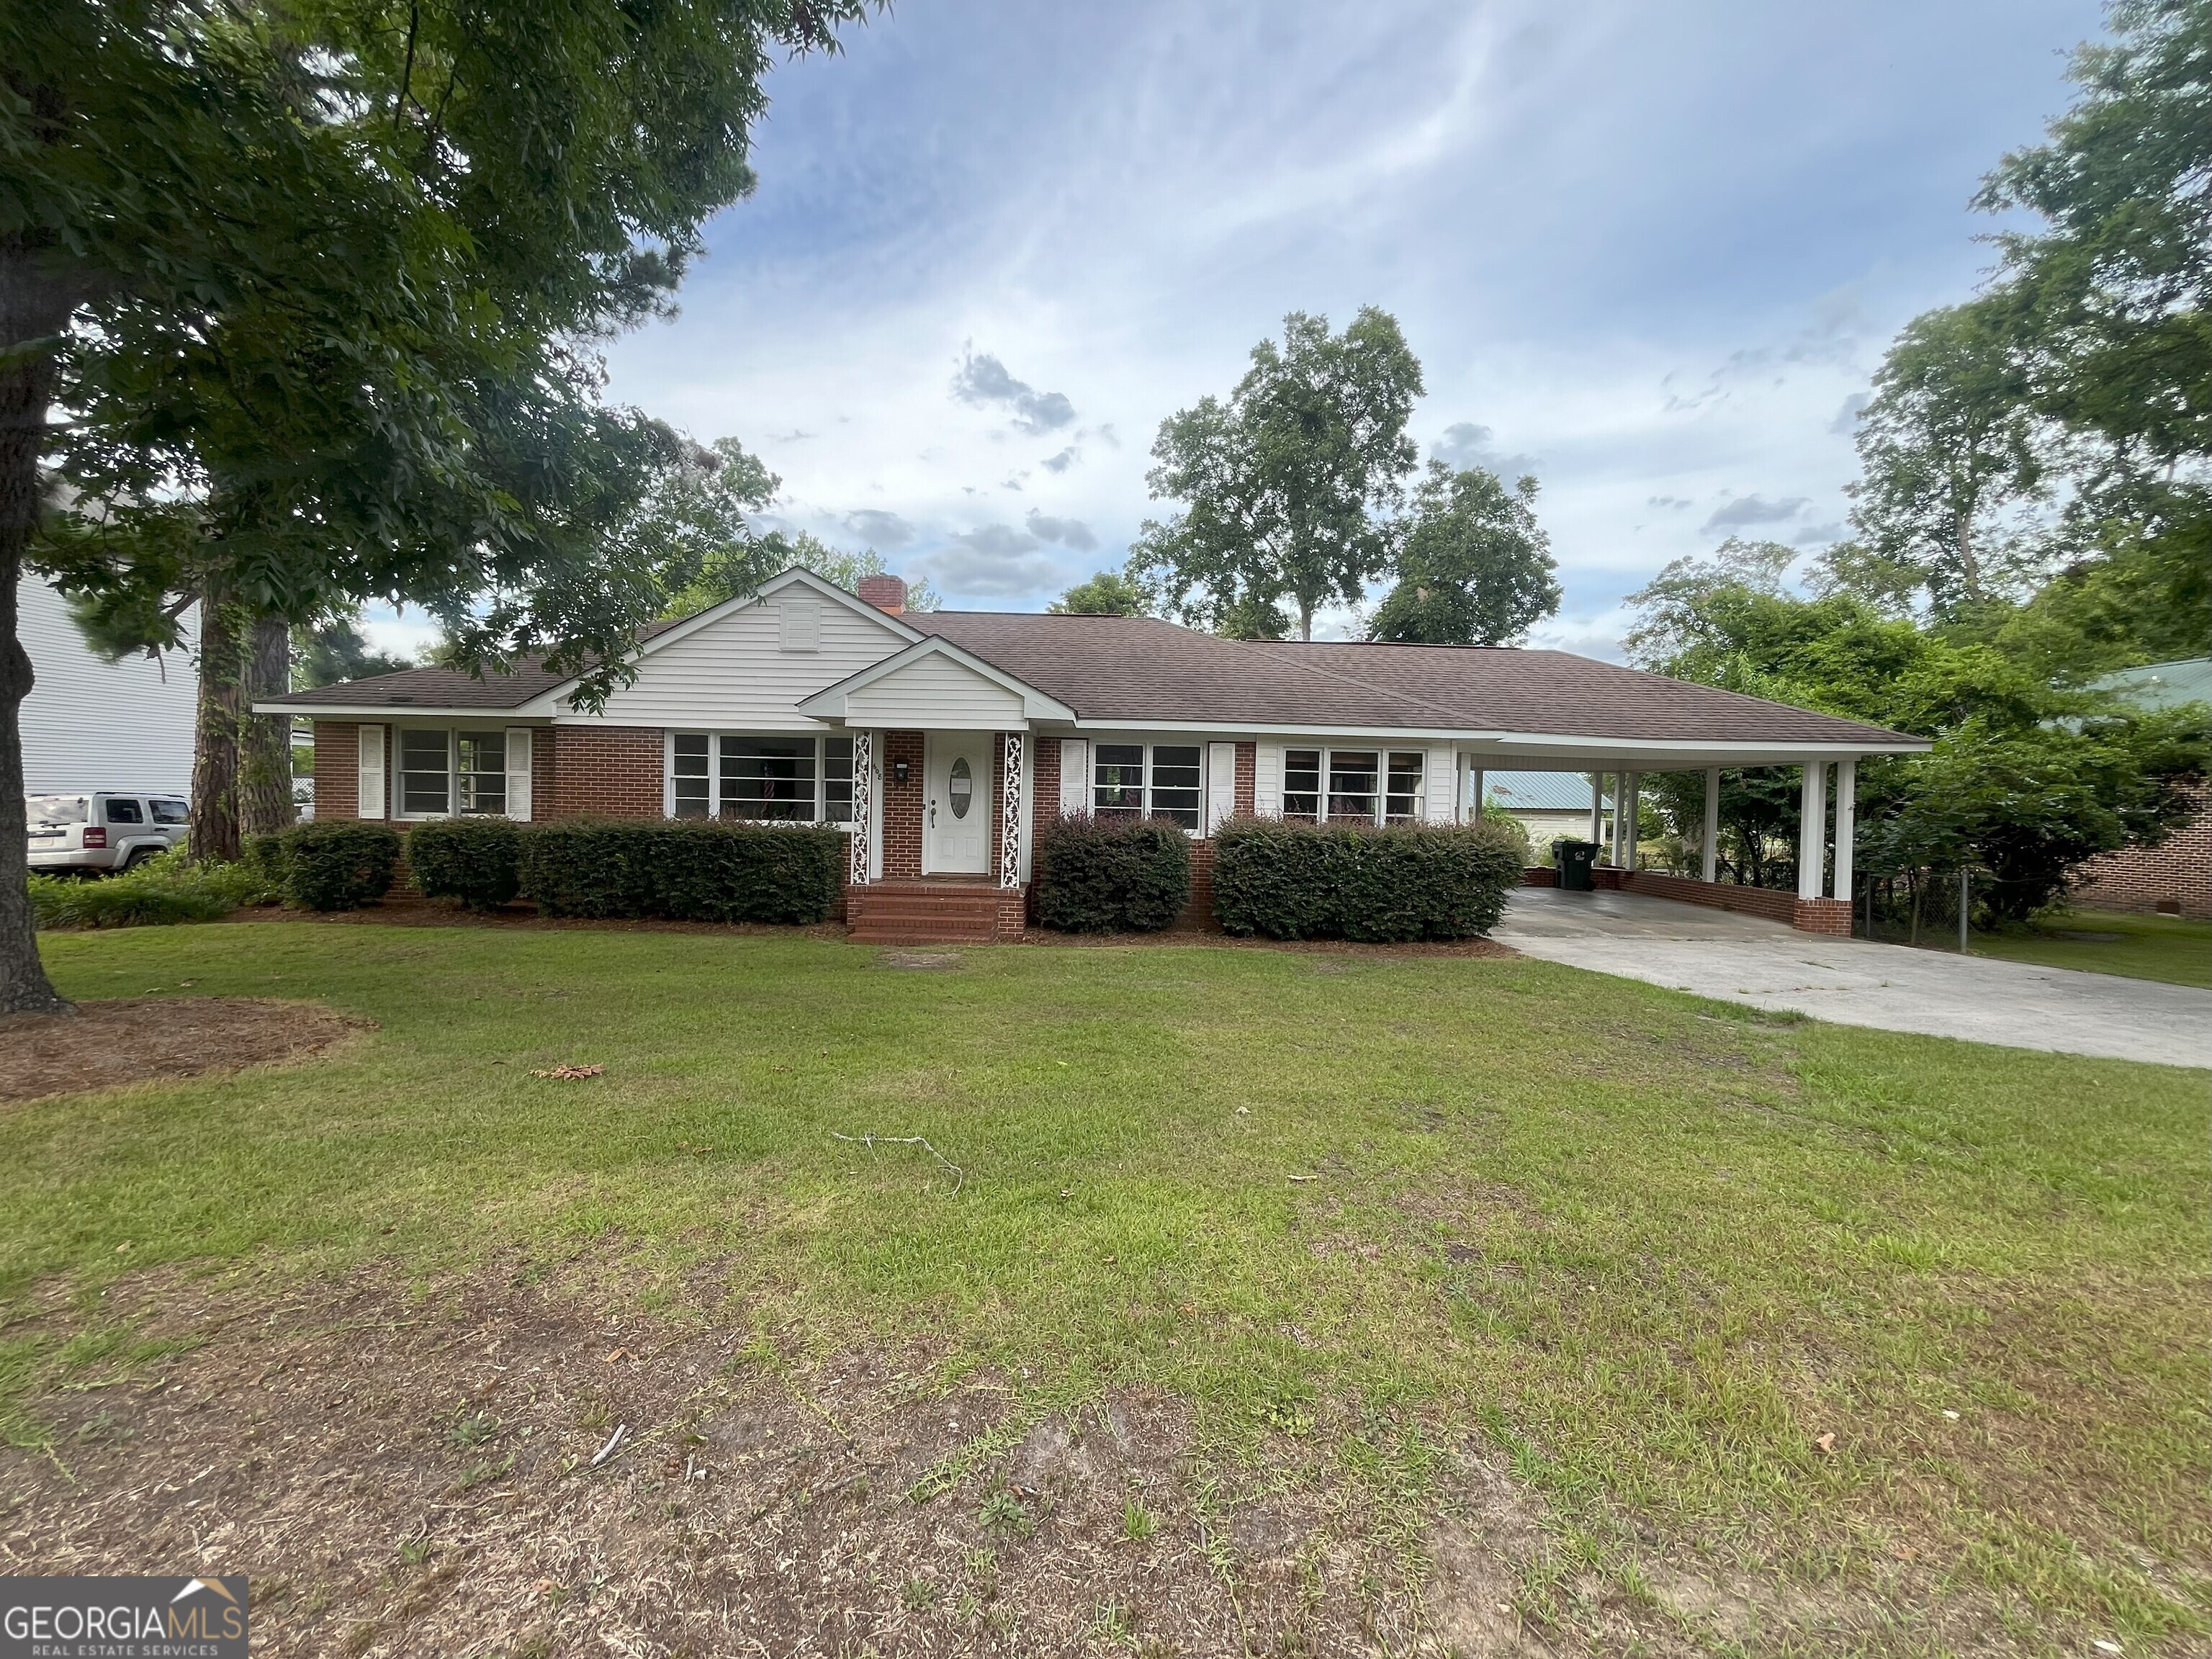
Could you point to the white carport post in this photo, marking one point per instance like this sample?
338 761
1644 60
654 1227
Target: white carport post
1712 848
1597 808
1474 796
1847 792
1813 829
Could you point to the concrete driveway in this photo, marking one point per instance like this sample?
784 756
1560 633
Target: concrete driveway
1737 958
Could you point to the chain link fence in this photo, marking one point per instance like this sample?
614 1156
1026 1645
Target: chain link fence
1928 906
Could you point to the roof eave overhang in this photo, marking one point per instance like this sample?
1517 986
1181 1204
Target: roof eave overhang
394 711
1739 751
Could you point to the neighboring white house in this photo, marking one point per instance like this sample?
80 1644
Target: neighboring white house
91 724
1548 804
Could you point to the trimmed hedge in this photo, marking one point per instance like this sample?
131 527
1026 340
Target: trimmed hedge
334 865
1111 875
689 870
475 860
1356 881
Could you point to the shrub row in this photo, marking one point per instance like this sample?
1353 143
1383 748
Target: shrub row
689 870
1111 875
1354 882
163 889
335 865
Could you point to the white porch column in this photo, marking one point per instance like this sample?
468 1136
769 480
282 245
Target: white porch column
1847 794
859 845
1813 829
1712 847
1597 808
1012 805
1474 802
1631 796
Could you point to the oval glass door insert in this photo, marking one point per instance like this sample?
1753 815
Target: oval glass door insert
960 787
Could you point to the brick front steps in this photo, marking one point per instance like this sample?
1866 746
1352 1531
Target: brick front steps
932 913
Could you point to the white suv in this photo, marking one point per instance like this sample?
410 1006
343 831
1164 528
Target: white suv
103 831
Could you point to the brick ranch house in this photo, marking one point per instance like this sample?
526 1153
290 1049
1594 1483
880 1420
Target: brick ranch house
939 738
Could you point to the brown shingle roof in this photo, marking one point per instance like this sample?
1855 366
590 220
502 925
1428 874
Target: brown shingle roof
1144 671
1150 672
448 688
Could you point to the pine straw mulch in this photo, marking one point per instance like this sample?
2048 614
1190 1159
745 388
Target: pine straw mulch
137 1039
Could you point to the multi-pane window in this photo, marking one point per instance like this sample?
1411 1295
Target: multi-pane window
1402 800
689 761
1301 784
443 772
1135 779
1118 781
1175 783
768 778
772 780
426 778
1352 784
480 771
837 780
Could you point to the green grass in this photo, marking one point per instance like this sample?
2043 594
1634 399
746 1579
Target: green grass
2168 948
1649 1248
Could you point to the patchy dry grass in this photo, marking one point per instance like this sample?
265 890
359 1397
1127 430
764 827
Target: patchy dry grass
1467 1302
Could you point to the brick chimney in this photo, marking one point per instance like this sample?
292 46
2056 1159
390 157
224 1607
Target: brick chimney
886 593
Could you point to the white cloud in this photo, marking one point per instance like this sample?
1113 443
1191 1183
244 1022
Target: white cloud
1659 249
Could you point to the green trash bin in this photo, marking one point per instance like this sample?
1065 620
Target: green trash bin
1574 860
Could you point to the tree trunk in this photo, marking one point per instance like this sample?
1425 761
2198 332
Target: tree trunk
265 779
1305 621
30 309
216 732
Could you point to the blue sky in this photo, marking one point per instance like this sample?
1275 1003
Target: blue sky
1649 252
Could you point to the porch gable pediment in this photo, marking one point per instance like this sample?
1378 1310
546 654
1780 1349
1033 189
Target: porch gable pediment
935 686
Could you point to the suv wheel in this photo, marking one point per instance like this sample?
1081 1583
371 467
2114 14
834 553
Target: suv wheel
137 856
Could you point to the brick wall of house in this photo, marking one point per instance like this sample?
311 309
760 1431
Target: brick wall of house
1044 782
338 770
544 769
1198 914
2175 878
902 805
1248 778
607 771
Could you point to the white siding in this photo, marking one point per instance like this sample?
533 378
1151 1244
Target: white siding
1267 780
1440 779
934 693
90 724
734 675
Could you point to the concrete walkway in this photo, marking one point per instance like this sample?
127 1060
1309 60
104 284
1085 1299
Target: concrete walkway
1737 958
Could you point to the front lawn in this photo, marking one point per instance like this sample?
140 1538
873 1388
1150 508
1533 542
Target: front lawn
1795 1337
2170 948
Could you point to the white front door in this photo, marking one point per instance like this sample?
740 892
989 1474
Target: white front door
957 824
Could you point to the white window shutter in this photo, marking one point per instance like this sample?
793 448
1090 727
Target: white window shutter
369 802
1267 780
1074 777
518 772
1440 782
1220 784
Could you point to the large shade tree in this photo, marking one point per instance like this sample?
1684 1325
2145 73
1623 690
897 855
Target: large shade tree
319 287
1285 485
1473 566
